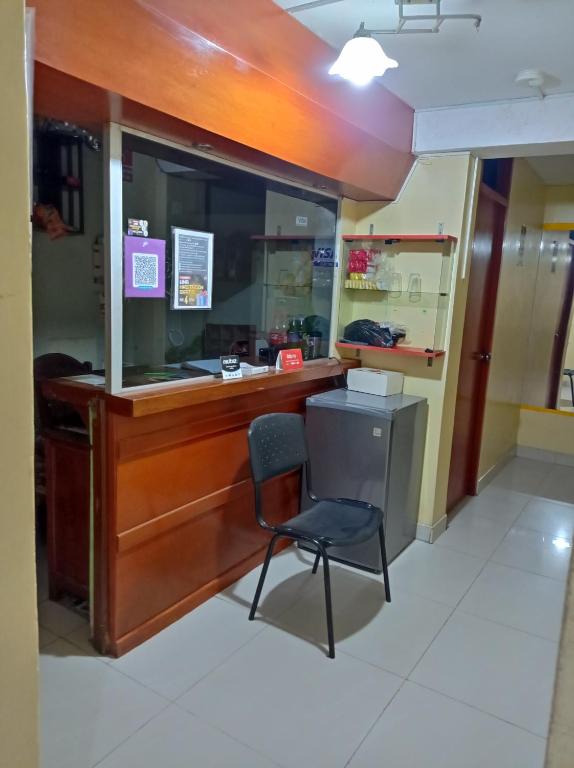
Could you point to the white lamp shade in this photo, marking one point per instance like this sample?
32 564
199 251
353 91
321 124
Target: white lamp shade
361 59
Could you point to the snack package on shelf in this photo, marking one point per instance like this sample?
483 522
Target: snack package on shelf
369 269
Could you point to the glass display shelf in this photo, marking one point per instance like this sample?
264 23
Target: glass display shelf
399 280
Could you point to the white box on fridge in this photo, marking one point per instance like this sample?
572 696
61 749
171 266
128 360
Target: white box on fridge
372 381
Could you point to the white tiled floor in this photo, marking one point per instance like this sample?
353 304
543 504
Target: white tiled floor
457 672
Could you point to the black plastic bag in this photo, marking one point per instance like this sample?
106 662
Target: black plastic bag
372 334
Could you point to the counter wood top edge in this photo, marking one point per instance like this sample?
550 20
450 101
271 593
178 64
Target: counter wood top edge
154 400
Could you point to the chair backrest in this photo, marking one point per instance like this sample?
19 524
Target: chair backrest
276 445
51 414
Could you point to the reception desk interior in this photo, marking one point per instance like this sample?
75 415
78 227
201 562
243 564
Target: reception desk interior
150 511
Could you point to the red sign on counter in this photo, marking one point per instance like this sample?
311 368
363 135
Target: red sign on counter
289 360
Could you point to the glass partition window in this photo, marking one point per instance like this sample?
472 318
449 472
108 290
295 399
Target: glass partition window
218 261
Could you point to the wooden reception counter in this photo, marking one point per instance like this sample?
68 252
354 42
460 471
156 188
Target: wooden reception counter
169 493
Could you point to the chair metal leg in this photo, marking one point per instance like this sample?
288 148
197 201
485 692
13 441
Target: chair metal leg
385 568
328 604
262 577
316 563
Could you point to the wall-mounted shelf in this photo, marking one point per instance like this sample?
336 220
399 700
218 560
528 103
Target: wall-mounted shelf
401 238
418 272
308 238
398 350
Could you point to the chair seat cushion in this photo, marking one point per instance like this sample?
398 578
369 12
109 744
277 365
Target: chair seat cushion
334 523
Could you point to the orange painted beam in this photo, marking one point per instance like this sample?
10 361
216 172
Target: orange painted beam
245 71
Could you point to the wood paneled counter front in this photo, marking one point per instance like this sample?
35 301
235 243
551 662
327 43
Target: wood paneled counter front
173 515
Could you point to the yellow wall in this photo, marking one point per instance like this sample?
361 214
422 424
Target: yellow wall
547 430
18 633
559 204
513 316
438 192
553 269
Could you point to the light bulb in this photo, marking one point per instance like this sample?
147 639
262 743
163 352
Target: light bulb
361 59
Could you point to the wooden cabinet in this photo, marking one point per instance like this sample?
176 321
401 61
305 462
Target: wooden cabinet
173 509
68 506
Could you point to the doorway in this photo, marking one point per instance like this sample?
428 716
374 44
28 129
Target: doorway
478 330
68 339
561 334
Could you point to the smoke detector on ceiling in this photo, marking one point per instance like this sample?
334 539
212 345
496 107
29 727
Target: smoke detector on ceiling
533 78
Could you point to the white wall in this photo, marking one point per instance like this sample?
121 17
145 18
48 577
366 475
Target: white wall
515 128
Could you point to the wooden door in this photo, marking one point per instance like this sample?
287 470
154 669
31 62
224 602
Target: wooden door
560 339
476 345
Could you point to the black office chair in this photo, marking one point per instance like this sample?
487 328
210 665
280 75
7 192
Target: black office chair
277 445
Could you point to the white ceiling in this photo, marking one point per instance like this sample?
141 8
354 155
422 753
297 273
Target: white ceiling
556 171
460 65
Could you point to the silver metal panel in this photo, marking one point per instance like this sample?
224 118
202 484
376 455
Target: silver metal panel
369 448
113 262
350 400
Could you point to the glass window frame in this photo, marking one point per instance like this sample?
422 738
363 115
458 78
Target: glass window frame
113 252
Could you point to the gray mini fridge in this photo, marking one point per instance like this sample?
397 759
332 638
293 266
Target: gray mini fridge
370 448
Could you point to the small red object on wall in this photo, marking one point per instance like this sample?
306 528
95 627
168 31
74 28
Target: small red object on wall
289 360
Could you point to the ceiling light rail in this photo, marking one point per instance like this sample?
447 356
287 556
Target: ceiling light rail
437 18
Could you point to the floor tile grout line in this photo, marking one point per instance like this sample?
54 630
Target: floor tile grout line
42 648
451 615
403 677
217 666
507 626
456 608
525 570
168 698
109 665
534 530
454 548
312 641
477 709
168 702
370 730
124 741
452 610
206 721
273 626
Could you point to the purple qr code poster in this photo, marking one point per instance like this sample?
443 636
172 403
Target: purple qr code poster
144 268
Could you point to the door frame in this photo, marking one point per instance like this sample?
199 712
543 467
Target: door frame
488 319
488 315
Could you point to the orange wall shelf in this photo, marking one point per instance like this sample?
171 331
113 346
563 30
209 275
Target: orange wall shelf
398 350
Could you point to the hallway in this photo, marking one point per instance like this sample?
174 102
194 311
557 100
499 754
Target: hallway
457 671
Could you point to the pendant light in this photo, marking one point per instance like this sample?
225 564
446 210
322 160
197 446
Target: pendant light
361 59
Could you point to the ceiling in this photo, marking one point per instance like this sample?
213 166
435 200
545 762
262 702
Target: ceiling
460 65
555 171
